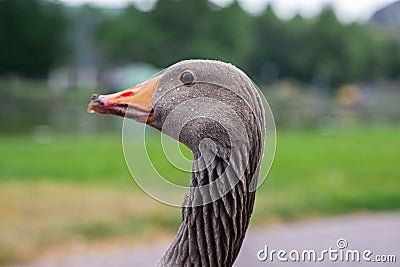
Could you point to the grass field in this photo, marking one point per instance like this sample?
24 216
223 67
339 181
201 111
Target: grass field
76 193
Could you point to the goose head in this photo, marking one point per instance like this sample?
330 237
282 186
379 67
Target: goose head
214 109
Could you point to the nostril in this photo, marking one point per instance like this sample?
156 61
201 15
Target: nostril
96 99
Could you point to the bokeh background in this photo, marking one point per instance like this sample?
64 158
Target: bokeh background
333 83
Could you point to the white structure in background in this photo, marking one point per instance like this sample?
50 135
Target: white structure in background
59 81
127 75
84 67
388 16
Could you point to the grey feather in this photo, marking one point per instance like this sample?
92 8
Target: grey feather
212 234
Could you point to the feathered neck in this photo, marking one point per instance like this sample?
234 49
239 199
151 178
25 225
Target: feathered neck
212 234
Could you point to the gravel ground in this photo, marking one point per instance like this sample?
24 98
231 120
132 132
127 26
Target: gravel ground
379 233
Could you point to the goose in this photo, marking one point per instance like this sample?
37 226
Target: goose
215 110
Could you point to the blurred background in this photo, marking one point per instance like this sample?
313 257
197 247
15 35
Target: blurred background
330 71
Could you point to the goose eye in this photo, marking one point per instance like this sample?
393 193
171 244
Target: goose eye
187 78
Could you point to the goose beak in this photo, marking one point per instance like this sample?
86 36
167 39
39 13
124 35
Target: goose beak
133 103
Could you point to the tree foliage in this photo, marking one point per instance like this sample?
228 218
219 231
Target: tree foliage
267 47
31 36
177 30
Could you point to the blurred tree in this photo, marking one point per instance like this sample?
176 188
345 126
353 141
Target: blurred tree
321 50
227 34
299 49
177 30
351 53
328 43
267 52
31 36
178 22
392 51
127 36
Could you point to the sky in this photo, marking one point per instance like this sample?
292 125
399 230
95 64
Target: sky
347 10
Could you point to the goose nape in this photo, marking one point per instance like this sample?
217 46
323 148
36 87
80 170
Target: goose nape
215 110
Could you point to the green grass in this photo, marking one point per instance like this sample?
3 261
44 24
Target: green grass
96 159
65 159
355 170
80 186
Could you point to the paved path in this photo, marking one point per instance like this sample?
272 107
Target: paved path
379 233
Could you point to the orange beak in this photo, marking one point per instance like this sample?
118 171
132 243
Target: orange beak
133 103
